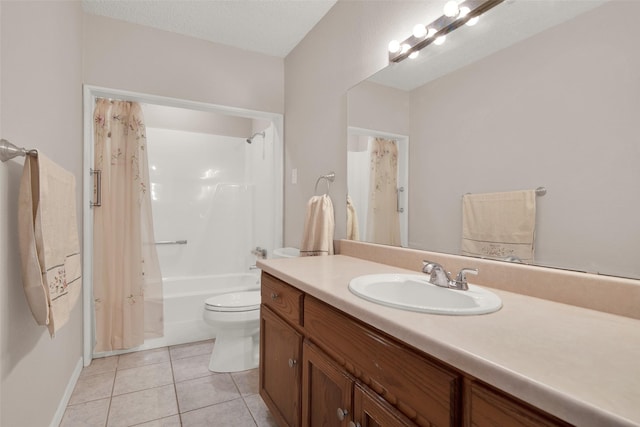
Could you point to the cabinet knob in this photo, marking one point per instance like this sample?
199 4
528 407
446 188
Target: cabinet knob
274 295
292 363
352 424
342 413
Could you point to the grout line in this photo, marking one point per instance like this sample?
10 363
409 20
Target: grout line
113 385
175 389
243 399
249 409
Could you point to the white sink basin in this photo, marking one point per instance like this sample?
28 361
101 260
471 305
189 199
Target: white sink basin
414 292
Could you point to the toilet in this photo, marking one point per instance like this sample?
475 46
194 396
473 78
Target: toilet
236 319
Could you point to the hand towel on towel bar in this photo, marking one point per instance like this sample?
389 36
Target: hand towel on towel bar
49 246
499 225
319 226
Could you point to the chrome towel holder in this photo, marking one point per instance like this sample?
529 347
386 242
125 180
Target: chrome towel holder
8 151
540 191
329 178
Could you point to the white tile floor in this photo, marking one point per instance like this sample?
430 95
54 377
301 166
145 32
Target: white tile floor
165 387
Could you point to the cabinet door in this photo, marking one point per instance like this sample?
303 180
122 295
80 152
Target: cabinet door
327 390
371 410
280 351
490 408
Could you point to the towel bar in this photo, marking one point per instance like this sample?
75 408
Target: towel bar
540 191
8 151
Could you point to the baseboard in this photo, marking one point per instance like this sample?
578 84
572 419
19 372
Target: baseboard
62 406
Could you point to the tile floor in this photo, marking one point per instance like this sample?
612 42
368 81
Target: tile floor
165 387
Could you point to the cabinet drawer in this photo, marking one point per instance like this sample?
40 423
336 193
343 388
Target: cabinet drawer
426 392
283 299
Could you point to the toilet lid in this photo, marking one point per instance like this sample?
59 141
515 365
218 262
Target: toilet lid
235 301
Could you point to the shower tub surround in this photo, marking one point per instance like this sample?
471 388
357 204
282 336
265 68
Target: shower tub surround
212 200
578 364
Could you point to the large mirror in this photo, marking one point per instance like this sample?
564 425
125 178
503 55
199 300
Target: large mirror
538 94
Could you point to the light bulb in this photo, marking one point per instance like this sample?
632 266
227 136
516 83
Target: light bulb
440 40
473 21
464 11
431 32
419 31
451 9
414 54
394 46
405 48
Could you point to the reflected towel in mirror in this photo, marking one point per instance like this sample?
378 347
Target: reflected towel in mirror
499 225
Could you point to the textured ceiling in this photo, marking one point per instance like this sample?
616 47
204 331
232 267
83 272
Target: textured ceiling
272 27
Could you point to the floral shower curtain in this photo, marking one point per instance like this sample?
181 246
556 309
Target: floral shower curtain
127 283
383 221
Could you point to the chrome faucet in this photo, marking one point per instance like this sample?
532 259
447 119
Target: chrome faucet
440 277
259 252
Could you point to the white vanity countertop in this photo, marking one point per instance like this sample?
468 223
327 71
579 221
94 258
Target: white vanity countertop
580 365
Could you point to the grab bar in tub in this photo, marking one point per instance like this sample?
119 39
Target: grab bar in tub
172 242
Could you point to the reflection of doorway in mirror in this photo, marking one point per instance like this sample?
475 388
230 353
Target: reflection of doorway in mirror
358 171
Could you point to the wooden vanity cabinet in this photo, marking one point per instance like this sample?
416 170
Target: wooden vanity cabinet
321 367
427 392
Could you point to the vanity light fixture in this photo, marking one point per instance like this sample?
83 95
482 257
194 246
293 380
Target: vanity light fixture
419 31
455 15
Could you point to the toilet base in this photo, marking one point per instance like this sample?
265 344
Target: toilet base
234 353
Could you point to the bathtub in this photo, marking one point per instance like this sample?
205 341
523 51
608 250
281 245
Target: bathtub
184 302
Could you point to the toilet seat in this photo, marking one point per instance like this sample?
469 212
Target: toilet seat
234 302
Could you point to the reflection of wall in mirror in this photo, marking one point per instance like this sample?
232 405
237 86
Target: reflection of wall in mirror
560 110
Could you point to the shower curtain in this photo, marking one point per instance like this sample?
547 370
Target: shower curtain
127 283
383 221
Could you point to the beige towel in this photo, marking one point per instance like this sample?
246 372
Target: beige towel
49 247
318 227
353 229
499 225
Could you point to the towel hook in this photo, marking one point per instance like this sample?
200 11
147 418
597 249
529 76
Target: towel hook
330 177
8 151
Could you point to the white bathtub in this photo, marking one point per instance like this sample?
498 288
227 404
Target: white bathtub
184 302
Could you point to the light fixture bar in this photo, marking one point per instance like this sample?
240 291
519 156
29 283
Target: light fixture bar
443 26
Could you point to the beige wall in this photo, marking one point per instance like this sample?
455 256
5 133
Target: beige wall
121 55
558 110
41 107
382 108
348 45
47 48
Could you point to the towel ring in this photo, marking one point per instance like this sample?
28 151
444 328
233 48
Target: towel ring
329 178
